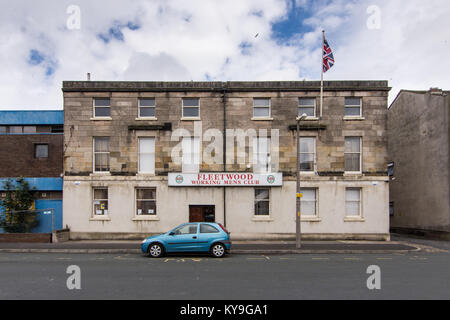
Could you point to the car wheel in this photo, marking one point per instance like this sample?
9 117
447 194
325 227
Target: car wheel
155 250
218 250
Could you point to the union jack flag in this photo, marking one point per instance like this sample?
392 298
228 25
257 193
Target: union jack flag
327 55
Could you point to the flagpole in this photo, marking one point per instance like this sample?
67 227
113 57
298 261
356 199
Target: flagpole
321 77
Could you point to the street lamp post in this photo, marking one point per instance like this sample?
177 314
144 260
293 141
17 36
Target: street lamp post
298 243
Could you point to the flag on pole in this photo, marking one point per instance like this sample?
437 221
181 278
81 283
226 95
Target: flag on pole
327 56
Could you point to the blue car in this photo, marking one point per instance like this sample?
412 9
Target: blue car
190 237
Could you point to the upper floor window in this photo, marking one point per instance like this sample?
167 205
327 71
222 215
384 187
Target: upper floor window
102 108
261 108
147 155
191 155
16 129
307 154
101 154
261 155
352 154
41 151
353 107
191 108
307 106
147 108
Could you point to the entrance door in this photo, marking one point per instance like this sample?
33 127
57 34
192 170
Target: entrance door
202 213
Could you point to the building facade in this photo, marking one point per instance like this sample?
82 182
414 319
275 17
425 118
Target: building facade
32 148
419 132
142 157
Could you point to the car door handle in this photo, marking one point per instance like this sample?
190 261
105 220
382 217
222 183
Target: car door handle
194 237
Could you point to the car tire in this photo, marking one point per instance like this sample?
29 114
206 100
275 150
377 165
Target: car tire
218 250
155 250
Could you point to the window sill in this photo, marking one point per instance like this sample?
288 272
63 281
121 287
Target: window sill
100 218
308 119
307 173
311 219
262 119
190 119
262 219
354 219
146 119
353 174
101 119
100 173
145 174
145 218
354 118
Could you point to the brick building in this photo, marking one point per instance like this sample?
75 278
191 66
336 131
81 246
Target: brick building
32 147
143 157
419 150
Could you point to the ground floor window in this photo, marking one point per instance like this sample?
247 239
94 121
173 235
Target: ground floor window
262 200
353 202
100 201
146 201
309 202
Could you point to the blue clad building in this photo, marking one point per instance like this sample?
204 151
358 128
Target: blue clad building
31 146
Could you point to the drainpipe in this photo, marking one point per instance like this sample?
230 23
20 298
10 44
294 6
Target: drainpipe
224 100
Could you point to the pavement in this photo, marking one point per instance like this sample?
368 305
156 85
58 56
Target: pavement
400 245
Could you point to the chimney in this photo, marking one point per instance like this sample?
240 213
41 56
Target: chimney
88 76
436 91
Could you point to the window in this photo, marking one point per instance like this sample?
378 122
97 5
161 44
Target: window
147 108
41 151
191 155
307 106
353 202
145 201
16 129
391 169
191 108
391 208
309 202
261 108
186 229
101 154
29 129
3 129
206 228
102 108
352 154
261 155
307 154
147 155
262 202
100 201
353 107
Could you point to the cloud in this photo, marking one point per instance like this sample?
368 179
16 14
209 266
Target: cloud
215 40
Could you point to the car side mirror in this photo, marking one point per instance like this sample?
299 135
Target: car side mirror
172 234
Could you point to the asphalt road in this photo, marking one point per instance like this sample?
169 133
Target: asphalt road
133 276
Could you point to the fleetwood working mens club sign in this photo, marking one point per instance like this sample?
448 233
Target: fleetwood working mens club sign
225 179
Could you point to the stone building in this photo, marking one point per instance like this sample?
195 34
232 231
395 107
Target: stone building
418 134
142 157
32 148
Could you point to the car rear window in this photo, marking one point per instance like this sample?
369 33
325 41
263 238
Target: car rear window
206 228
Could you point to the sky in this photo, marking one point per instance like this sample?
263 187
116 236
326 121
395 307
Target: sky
45 42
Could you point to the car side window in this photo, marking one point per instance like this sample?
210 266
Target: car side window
206 228
187 229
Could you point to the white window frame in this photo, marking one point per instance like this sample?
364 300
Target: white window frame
139 117
314 106
255 201
315 155
360 155
147 215
153 152
360 215
269 117
191 167
94 214
257 168
94 116
101 152
316 201
183 117
354 107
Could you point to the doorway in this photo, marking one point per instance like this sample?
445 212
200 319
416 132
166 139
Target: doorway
202 213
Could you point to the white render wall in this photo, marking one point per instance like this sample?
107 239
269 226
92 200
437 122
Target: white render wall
173 209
